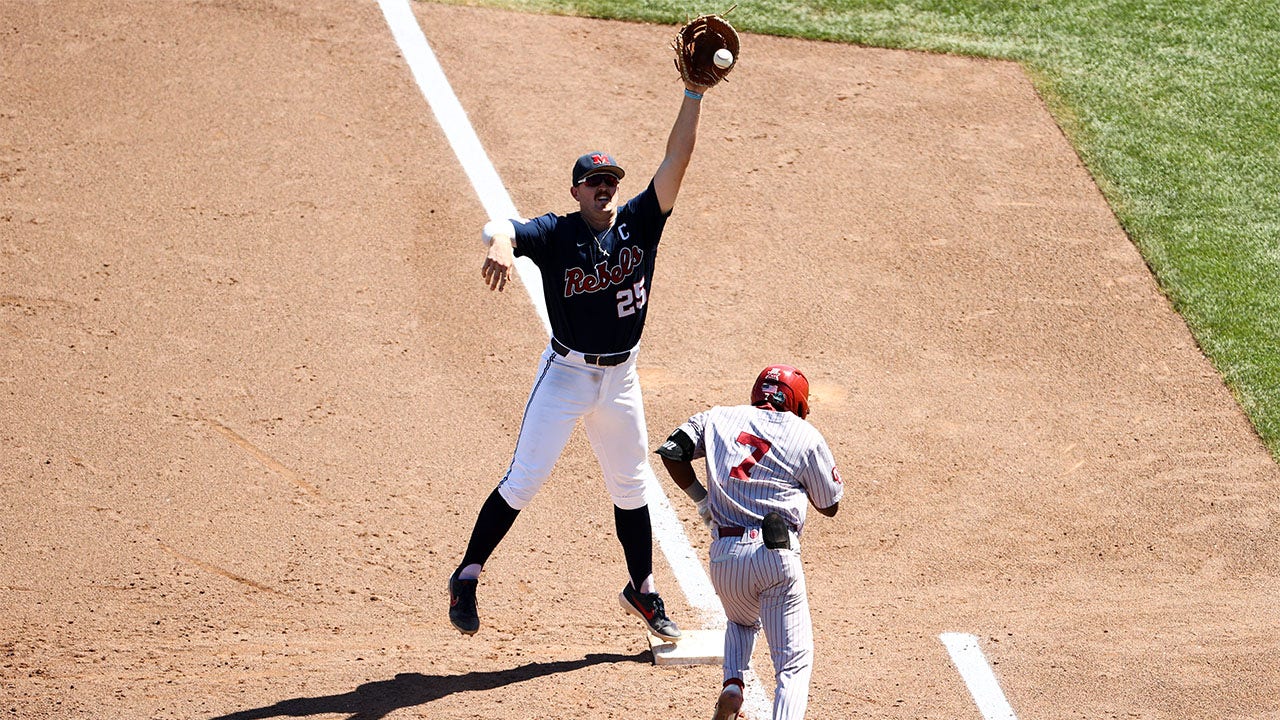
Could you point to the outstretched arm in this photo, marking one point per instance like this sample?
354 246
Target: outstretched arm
684 134
499 260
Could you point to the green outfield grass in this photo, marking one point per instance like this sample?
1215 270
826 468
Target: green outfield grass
1173 105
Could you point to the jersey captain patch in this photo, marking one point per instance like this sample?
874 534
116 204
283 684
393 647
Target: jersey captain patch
578 281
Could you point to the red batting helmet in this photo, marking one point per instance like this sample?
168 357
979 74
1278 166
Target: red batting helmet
783 387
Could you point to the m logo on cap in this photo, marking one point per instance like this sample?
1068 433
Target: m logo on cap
594 162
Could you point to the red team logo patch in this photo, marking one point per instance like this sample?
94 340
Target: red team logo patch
835 476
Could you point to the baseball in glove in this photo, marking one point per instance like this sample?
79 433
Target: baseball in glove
696 47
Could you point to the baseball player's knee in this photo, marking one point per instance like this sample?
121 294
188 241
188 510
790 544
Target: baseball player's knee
790 660
628 496
629 503
518 495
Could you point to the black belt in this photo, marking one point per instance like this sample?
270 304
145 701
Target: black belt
776 535
601 360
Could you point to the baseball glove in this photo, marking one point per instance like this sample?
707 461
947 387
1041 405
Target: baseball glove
696 45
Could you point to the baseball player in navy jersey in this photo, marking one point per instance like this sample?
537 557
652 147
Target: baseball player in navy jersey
765 464
597 272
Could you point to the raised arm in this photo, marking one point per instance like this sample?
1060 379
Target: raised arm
684 134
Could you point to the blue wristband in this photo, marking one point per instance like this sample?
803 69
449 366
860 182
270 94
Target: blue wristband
691 94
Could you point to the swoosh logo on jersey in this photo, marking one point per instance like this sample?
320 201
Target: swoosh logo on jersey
603 275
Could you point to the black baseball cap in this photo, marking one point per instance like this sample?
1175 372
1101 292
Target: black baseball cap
594 163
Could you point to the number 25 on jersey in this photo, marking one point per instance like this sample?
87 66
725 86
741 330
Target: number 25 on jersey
631 299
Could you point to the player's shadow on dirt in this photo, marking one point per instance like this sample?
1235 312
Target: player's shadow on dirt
375 700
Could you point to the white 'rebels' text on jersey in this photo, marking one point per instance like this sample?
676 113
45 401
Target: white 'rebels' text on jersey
761 460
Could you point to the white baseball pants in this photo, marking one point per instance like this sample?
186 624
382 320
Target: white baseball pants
762 587
608 401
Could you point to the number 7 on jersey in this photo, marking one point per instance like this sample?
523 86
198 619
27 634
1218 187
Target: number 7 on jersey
761 446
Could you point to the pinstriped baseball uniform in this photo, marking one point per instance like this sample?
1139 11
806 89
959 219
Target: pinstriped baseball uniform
757 461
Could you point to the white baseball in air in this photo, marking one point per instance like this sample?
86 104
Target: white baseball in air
723 58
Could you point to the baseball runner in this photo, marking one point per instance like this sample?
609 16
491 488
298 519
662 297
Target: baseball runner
765 465
597 272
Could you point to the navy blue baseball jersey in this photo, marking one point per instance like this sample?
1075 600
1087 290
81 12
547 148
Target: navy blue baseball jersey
596 286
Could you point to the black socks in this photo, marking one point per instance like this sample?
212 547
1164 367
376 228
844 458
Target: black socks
495 520
636 535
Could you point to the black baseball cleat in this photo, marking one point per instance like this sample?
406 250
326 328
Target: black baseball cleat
462 604
649 608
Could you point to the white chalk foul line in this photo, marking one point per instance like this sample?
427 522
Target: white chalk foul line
977 674
683 559
457 129
493 195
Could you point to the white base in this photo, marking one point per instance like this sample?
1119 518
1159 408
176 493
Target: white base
696 647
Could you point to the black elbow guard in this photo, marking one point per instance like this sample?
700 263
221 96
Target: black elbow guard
678 447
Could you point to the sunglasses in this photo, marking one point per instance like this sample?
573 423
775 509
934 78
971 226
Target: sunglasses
601 179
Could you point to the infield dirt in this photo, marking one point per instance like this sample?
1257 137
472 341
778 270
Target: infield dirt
253 389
